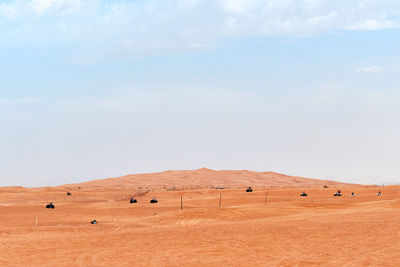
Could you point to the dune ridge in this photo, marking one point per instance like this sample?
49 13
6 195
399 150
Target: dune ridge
206 178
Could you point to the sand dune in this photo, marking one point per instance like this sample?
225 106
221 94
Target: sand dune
272 226
206 178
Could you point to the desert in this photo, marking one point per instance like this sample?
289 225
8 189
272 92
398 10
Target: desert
203 218
199 133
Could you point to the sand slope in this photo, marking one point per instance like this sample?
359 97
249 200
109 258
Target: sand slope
206 178
247 229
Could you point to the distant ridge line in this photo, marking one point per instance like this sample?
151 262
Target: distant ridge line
206 178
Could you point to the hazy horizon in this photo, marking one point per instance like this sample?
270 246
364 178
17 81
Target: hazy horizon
95 89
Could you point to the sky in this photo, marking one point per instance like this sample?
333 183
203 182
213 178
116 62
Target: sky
94 89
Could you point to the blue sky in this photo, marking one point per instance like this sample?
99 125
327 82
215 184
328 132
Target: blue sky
92 89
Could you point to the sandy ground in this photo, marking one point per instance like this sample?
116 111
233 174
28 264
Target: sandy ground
286 230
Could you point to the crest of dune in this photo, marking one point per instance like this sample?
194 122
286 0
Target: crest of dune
206 178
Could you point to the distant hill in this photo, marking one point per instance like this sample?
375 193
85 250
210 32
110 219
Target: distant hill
205 178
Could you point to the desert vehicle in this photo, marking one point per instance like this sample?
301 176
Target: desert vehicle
338 194
50 206
133 200
154 200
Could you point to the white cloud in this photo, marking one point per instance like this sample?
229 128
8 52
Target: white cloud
42 6
241 6
13 102
7 10
371 24
155 25
369 69
395 69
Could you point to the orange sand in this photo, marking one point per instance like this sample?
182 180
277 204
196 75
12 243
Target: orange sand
287 230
